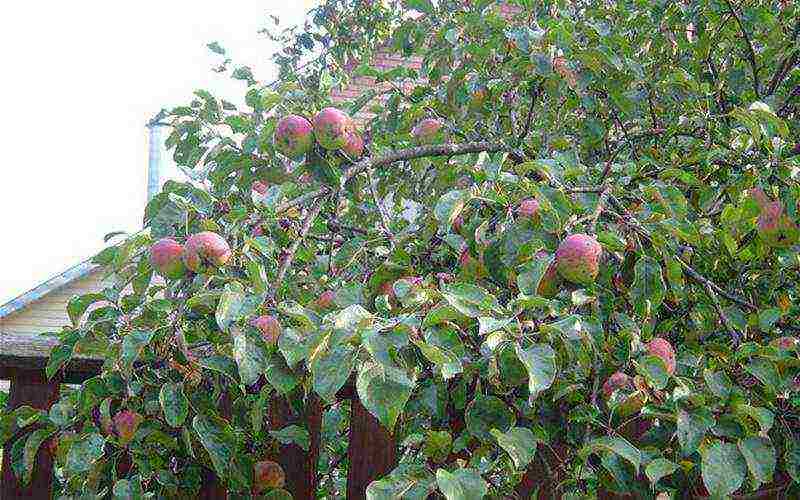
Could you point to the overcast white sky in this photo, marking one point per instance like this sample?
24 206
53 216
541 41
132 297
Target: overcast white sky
80 80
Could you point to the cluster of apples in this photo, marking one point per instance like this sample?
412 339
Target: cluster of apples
621 382
201 251
331 128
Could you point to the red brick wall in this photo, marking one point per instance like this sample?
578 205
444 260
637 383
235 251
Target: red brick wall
384 61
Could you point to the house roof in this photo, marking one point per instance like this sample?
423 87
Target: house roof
58 281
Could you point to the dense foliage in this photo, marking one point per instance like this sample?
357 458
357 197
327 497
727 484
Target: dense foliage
592 176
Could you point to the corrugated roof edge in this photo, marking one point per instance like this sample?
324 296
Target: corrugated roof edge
73 273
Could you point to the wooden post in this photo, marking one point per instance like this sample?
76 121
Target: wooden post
212 488
372 451
300 466
31 388
543 476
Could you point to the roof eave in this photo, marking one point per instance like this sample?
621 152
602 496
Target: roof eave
73 273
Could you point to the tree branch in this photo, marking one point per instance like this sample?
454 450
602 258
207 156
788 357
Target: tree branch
787 64
699 278
448 149
751 54
302 199
287 260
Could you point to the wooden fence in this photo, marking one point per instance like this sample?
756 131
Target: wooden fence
371 451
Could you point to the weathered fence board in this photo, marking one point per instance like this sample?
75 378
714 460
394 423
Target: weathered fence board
372 450
300 466
30 387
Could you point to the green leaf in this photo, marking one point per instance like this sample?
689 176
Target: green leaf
32 445
447 362
331 370
718 383
60 355
488 325
234 304
540 361
485 413
294 345
441 314
762 416
408 481
83 453
450 205
530 274
691 428
306 317
647 291
223 365
424 6
123 490
519 442
617 445
77 305
250 354
767 318
132 345
759 454
438 445
723 468
658 468
218 442
462 484
174 404
384 391
791 457
765 371
572 327
293 434
654 369
468 299
279 375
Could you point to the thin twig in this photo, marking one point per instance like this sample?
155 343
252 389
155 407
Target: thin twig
287 260
384 219
787 64
751 54
601 203
448 149
696 276
302 199
529 119
336 226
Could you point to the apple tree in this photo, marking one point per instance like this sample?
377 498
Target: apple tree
557 257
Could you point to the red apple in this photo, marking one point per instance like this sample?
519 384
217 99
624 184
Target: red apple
663 349
578 258
269 327
166 255
206 249
267 475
